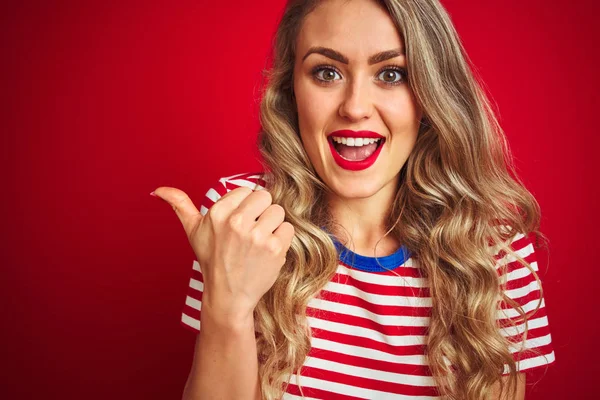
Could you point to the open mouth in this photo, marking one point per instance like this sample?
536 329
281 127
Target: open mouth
355 150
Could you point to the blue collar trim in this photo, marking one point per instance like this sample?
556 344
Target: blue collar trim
371 264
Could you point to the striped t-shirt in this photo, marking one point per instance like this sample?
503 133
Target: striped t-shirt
369 325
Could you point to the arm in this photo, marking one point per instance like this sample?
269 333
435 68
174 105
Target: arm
240 244
520 393
225 363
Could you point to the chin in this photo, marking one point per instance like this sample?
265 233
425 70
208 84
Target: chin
356 189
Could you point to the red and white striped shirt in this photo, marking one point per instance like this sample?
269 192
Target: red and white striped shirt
369 325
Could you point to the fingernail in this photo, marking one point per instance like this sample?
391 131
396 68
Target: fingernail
153 194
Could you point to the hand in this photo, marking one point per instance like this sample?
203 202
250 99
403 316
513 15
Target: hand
241 244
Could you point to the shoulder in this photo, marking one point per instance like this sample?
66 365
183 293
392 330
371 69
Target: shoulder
521 243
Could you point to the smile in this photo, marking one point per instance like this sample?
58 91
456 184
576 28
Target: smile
355 151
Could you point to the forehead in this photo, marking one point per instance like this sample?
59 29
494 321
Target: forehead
356 28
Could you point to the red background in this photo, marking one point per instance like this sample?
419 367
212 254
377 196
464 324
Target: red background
105 101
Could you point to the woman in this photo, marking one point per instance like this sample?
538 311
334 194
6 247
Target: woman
385 252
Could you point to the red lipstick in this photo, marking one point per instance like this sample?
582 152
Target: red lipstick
355 134
355 165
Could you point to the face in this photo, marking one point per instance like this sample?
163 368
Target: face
344 89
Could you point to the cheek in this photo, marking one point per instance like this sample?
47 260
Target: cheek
308 111
402 114
313 117
314 105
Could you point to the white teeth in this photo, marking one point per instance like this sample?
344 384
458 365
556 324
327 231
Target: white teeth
355 141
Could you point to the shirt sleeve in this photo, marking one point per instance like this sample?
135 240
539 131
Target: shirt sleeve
190 314
522 287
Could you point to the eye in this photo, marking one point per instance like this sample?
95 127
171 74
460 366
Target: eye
392 76
325 73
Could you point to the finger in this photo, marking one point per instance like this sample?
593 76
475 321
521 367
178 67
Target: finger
270 220
232 199
285 233
254 205
184 207
229 193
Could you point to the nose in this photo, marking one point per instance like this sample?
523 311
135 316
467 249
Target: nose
357 103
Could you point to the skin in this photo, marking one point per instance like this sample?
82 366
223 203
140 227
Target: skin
355 96
240 243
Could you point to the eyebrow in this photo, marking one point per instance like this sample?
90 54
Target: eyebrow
335 55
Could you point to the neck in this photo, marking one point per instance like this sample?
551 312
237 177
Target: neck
361 221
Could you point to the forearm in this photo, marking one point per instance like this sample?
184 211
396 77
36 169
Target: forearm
225 364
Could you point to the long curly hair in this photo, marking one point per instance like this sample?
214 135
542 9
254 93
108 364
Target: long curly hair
457 195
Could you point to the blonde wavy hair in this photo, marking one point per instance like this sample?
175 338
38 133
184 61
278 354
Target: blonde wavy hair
457 194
